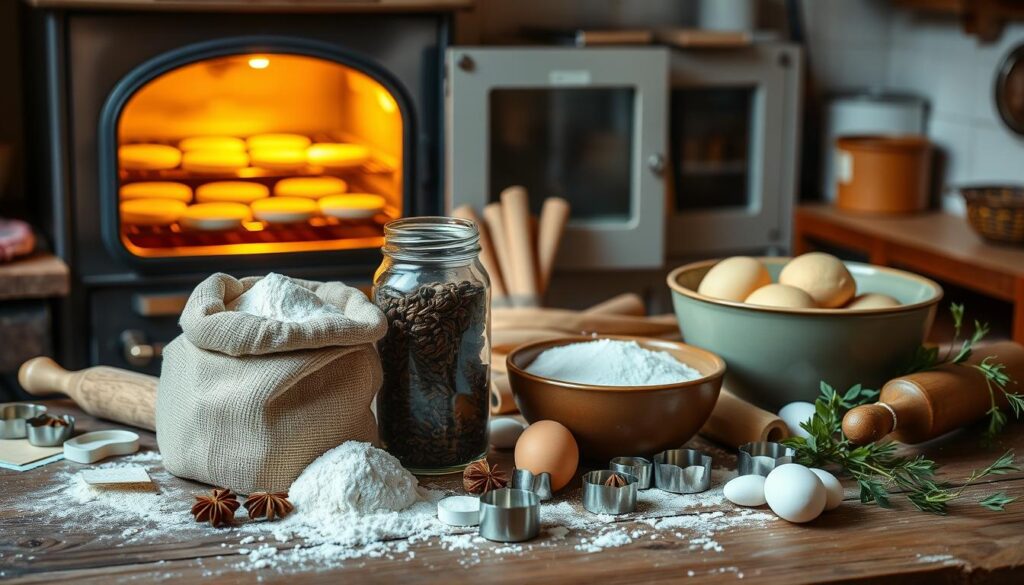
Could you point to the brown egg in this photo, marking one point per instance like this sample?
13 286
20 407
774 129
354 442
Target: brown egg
823 276
733 279
781 295
872 301
547 446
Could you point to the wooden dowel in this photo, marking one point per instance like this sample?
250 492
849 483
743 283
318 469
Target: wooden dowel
522 276
575 322
553 216
495 222
735 421
487 254
624 304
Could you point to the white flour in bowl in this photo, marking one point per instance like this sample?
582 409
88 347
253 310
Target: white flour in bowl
278 297
609 362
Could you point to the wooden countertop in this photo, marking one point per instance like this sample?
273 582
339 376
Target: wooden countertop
854 542
38 275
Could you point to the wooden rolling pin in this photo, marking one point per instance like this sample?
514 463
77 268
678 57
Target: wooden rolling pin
922 406
522 275
735 421
111 393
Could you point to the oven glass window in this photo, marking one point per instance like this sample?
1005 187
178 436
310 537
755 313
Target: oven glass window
710 144
252 153
574 143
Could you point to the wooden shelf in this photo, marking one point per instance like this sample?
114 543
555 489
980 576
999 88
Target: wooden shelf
36 276
984 18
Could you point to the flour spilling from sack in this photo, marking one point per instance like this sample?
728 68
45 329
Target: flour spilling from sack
609 362
280 298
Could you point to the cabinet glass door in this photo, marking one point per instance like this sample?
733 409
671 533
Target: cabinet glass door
710 145
579 123
573 143
733 139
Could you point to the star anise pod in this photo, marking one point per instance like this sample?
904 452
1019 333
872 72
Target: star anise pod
615 480
481 477
268 505
218 508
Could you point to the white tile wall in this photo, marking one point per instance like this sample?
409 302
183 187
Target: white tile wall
930 56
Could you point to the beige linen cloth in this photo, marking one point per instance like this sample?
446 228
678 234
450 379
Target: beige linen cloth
246 402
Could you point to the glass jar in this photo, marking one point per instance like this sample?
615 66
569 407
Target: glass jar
433 407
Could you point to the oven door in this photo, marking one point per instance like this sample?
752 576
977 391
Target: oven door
584 124
733 140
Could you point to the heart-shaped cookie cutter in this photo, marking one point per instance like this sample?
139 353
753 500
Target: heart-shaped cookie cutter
761 457
601 498
42 434
641 467
682 471
540 484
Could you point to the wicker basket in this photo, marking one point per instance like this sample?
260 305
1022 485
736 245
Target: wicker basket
996 212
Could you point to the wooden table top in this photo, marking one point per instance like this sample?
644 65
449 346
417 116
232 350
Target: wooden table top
854 542
943 233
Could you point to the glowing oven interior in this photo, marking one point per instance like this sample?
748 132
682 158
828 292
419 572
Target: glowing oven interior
251 154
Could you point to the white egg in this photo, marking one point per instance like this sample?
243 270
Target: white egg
745 490
795 413
505 432
794 493
833 489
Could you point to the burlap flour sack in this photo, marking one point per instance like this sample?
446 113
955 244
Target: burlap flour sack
247 402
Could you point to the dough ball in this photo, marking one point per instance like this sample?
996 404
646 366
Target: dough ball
823 276
733 279
780 295
872 301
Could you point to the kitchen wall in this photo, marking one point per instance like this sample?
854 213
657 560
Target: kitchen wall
871 43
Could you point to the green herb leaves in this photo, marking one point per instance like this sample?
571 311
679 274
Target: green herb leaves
876 467
928 358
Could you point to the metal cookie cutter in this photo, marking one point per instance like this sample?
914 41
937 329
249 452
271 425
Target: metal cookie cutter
601 498
42 433
509 515
540 484
761 457
14 419
638 466
682 471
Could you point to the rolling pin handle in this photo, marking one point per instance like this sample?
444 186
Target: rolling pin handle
869 423
41 375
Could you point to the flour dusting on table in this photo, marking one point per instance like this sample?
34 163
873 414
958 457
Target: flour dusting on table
317 538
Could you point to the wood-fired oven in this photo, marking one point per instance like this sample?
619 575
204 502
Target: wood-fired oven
176 138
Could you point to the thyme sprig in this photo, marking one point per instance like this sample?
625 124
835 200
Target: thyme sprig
876 467
996 378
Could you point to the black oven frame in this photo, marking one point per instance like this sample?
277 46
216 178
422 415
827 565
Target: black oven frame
147 71
106 279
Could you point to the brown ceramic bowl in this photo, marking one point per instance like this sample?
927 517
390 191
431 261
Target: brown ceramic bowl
612 421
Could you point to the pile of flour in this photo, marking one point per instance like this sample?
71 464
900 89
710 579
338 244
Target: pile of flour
280 298
609 362
354 478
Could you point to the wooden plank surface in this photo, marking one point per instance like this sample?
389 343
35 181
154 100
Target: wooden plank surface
855 542
941 233
39 275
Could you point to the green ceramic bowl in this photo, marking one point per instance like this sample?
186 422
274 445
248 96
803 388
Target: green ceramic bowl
777 355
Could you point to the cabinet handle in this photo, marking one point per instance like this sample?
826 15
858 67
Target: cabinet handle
656 164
